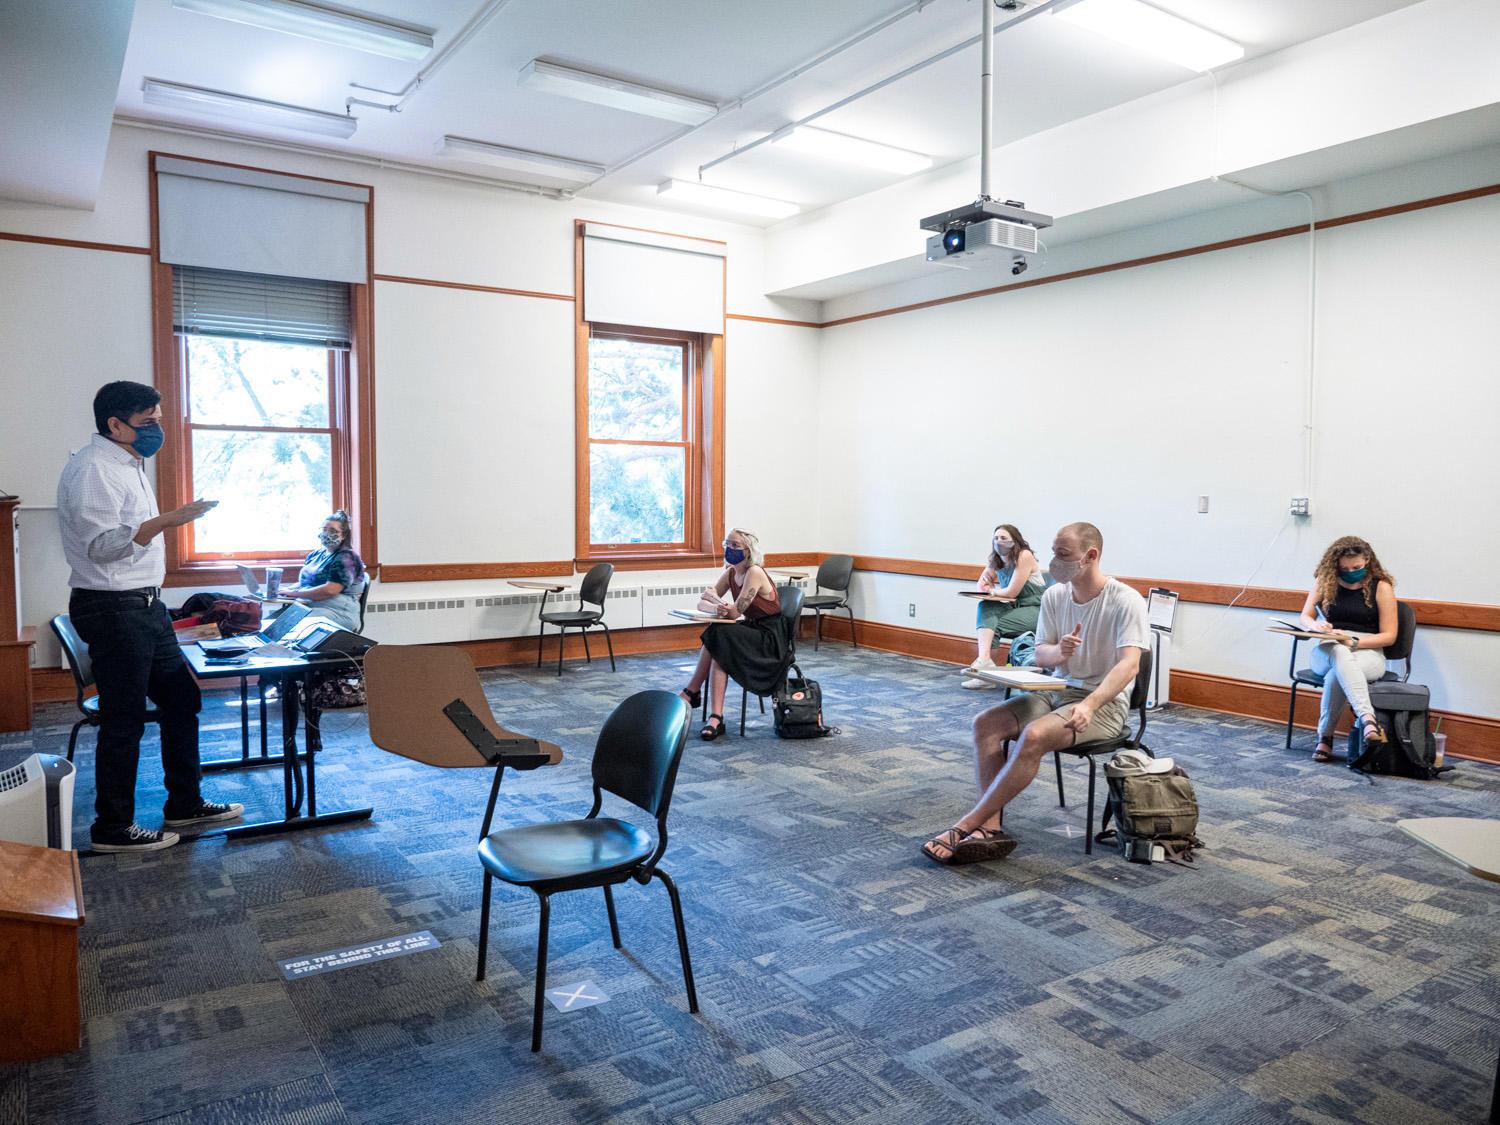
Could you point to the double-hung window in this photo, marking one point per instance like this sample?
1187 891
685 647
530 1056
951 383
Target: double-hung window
264 367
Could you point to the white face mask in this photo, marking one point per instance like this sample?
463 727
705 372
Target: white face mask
1064 570
1003 546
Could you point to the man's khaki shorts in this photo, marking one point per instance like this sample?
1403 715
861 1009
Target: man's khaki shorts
1108 721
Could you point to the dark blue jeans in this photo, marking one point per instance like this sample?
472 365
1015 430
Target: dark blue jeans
136 657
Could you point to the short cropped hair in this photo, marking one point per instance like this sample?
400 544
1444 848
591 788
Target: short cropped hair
1086 534
120 400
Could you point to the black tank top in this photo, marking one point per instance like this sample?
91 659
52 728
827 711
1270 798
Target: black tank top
1349 611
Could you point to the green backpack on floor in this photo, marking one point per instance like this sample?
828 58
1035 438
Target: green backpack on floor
1154 809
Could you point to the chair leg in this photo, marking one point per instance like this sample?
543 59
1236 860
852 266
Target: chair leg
1057 761
1088 835
561 636
73 737
744 696
541 973
614 922
587 655
484 925
609 644
849 609
1291 713
682 945
818 631
540 630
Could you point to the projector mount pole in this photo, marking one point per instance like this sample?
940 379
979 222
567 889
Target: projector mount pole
986 96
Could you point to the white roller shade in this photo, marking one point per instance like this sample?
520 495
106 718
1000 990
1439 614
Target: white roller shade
215 217
643 280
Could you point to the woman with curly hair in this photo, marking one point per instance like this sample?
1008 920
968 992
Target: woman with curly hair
1353 595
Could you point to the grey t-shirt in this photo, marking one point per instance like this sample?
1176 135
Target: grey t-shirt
1114 619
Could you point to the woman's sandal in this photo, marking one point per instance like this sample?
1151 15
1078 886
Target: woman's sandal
1324 752
1374 732
694 698
711 730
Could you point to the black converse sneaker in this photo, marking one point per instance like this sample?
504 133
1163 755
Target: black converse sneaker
207 812
133 839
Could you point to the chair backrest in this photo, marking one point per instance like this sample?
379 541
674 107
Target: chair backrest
833 573
1141 692
1406 634
77 652
595 587
791 611
364 600
639 749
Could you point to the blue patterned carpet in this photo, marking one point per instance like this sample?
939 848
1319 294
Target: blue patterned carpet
1316 966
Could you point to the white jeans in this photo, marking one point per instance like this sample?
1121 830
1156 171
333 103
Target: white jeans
1347 678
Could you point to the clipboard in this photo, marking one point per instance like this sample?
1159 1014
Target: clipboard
690 615
979 596
1161 609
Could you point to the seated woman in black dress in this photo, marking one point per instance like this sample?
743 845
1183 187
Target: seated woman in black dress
751 646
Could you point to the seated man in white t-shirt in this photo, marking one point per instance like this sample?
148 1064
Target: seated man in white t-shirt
1091 631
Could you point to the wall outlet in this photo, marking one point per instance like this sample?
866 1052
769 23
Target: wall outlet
911 609
1299 506
1203 505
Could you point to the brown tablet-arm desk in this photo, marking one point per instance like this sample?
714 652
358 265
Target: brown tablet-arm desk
408 688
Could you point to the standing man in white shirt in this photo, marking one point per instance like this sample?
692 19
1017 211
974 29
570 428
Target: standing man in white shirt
111 533
1092 630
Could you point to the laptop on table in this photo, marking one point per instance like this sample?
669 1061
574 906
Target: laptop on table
252 584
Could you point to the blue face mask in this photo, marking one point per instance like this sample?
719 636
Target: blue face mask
1354 575
734 556
148 438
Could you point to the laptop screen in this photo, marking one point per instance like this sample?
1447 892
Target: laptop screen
285 621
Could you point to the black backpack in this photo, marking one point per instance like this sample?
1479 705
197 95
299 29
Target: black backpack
797 707
1409 749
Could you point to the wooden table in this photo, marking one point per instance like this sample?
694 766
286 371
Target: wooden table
1474 845
41 908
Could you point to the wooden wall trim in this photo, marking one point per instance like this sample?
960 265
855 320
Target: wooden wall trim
1185 252
465 572
472 287
111 247
773 320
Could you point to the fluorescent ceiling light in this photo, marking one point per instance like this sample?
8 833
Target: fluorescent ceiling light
722 199
518 159
1153 32
853 150
550 78
312 21
196 99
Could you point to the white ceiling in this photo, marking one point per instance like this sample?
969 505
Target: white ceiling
1048 72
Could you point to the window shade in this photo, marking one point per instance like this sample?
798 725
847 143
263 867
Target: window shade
224 218
288 310
652 281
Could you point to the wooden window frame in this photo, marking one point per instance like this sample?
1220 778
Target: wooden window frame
340 468
703 418
356 466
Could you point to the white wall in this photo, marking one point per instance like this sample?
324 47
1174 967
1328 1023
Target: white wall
474 390
1121 398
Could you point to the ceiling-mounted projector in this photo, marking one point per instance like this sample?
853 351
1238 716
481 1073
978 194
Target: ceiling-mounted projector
987 227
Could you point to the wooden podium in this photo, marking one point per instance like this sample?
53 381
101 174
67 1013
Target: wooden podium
15 641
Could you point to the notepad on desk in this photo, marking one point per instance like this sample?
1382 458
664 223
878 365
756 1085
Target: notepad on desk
1289 629
692 615
1022 679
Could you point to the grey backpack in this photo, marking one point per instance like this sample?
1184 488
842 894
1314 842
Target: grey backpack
1154 809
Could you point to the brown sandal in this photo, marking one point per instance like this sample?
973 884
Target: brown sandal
979 846
1374 732
1324 752
949 841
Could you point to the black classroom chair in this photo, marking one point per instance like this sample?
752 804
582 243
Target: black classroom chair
82 666
636 759
833 574
593 590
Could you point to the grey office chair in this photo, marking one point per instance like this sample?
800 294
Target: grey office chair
833 574
82 666
593 590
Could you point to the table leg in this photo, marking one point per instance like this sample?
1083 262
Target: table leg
244 719
245 761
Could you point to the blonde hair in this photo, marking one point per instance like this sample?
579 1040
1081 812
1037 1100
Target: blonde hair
752 545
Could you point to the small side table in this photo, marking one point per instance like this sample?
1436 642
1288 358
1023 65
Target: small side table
41 908
1473 844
